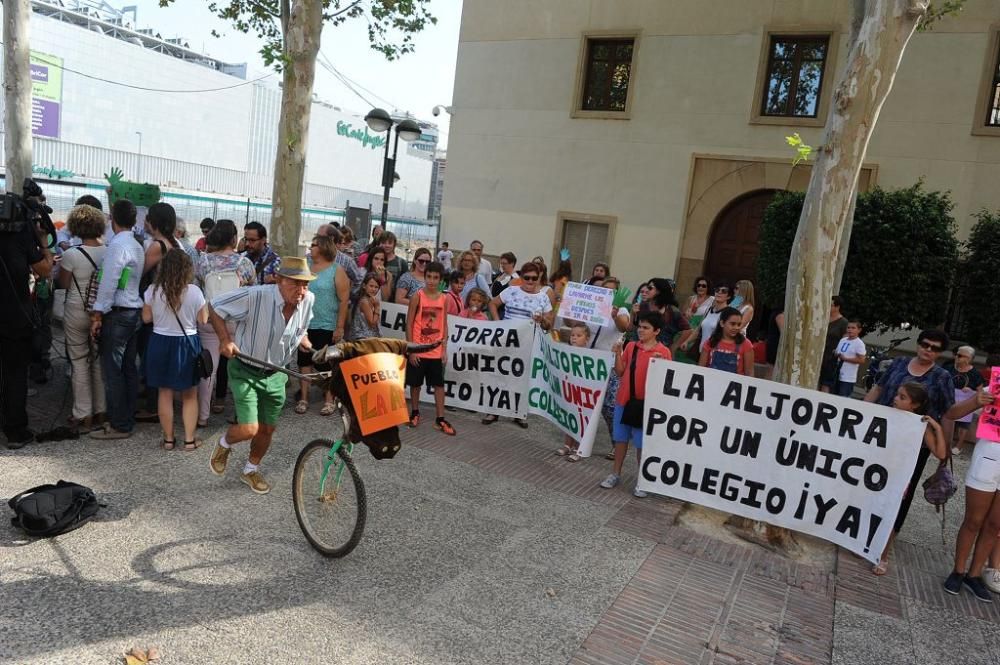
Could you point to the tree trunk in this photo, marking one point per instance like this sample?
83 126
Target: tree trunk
17 93
302 41
815 267
872 62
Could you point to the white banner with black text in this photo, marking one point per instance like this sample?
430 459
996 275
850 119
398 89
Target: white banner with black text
828 466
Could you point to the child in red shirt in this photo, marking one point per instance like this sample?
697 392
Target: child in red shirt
426 323
476 304
632 365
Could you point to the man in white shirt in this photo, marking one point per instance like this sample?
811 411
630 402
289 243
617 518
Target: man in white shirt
271 323
445 257
485 267
116 319
851 354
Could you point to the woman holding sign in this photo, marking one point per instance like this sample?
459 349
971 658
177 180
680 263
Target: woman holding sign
981 522
632 365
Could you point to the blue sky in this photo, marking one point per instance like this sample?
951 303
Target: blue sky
414 83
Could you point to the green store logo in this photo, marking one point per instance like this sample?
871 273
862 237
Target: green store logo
362 135
52 172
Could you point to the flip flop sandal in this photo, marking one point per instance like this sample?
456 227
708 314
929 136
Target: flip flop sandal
301 406
610 456
192 445
564 451
167 445
575 457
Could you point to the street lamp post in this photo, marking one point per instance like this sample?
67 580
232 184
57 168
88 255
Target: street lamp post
378 120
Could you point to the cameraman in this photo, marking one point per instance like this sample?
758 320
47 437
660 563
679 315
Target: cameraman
22 251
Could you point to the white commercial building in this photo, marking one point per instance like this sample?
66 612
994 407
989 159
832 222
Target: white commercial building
109 96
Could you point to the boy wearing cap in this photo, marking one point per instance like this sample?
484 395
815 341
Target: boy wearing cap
271 323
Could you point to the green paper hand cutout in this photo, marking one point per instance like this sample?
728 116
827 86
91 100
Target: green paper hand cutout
142 195
622 297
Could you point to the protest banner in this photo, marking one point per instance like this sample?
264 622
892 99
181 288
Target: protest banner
828 466
488 361
589 304
567 388
392 321
989 417
375 384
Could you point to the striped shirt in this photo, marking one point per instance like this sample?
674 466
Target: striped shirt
261 330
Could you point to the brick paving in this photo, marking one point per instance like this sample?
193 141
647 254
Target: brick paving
695 599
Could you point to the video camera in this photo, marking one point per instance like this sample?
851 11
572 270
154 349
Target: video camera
18 212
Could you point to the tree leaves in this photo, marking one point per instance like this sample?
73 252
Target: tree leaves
901 260
978 273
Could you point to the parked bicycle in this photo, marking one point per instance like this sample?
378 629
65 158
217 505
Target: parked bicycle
328 493
879 361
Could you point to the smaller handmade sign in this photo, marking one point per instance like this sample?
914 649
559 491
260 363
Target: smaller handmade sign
989 418
375 383
589 304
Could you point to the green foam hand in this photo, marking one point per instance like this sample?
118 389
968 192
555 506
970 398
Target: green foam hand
142 195
622 297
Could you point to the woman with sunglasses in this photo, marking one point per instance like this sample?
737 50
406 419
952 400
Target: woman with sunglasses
413 281
332 292
375 264
698 335
940 398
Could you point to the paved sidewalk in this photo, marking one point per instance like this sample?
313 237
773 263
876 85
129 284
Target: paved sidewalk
480 548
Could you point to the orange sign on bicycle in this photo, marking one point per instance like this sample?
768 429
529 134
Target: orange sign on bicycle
375 383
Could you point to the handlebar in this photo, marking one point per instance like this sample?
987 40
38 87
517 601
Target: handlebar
328 355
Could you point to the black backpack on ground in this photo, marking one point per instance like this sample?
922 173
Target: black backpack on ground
49 510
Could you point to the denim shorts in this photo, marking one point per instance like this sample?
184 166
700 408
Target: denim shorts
625 433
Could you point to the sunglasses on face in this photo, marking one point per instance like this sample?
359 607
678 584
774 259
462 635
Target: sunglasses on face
530 278
421 261
930 347
702 286
722 290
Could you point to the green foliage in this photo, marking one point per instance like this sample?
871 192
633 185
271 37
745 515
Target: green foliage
802 151
391 23
901 262
937 11
982 265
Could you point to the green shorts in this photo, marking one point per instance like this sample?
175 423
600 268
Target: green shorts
259 397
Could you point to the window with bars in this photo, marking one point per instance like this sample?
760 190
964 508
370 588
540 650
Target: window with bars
993 95
607 72
794 80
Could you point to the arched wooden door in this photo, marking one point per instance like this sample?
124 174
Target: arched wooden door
732 246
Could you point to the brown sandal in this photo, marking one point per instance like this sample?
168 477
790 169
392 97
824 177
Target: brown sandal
167 445
192 445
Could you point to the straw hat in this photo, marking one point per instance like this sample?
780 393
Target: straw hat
295 267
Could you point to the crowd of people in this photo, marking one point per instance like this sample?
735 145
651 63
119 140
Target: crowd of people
152 321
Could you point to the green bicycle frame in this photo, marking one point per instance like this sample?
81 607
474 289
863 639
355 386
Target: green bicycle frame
331 457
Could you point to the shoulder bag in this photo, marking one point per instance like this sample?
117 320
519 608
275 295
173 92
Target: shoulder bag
633 412
203 361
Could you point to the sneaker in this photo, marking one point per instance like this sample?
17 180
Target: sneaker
611 481
220 456
444 426
991 578
256 481
639 494
953 584
978 589
109 433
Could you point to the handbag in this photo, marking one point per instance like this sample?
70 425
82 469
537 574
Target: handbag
634 409
940 487
203 361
